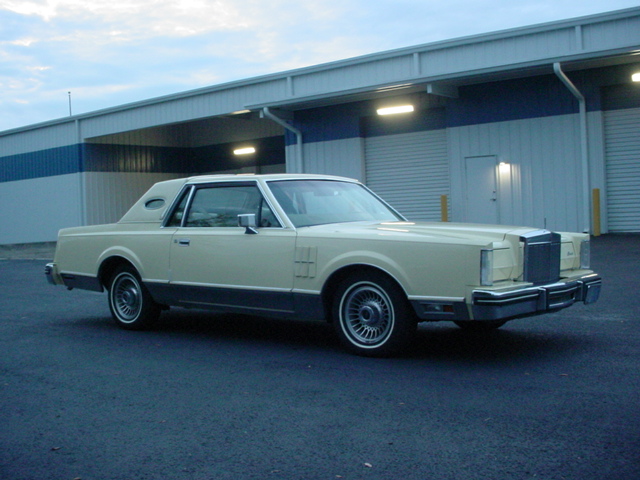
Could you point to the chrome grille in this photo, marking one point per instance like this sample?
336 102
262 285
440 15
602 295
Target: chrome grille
541 257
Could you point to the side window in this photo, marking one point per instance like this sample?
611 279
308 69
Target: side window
220 206
178 212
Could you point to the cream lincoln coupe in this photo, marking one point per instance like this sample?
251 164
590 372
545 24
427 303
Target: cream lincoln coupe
318 248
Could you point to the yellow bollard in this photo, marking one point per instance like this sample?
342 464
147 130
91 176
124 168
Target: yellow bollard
444 209
596 212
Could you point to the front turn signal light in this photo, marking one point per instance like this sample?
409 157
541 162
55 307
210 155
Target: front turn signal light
486 267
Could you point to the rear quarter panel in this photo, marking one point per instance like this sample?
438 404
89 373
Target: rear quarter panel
82 250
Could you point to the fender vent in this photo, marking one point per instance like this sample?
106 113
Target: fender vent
305 262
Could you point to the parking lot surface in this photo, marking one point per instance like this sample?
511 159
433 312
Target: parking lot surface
209 396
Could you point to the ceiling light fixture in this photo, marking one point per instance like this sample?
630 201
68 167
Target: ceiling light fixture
635 77
244 151
394 110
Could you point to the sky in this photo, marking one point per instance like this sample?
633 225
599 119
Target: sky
113 52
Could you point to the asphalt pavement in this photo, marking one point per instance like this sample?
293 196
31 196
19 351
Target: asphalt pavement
209 396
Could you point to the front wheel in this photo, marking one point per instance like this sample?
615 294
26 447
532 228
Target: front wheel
130 303
372 316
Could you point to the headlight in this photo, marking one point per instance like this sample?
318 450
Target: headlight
585 254
486 268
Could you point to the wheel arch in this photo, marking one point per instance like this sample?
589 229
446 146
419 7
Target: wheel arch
108 267
332 283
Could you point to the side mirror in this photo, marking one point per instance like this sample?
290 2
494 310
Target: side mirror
248 221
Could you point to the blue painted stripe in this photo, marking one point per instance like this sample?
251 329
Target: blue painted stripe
509 100
149 159
536 97
134 158
137 158
420 121
329 123
43 163
518 99
621 96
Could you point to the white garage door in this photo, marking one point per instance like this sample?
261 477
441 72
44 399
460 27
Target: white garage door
410 171
622 147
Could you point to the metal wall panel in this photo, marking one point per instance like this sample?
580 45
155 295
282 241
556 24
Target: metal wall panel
536 45
543 185
498 52
196 133
611 34
622 147
109 195
199 104
354 76
136 158
338 157
108 157
32 140
410 171
214 130
163 136
34 210
597 167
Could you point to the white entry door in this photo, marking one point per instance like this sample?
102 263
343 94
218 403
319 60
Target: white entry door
481 189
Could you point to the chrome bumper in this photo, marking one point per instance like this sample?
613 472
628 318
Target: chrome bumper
51 273
491 305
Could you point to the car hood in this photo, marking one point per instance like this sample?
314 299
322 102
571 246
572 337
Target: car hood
466 233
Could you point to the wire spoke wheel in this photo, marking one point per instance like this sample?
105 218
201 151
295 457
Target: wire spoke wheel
368 314
126 297
131 305
372 315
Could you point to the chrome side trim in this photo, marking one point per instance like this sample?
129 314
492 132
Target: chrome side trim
232 287
421 298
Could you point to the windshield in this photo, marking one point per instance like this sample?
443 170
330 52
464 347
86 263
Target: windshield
318 202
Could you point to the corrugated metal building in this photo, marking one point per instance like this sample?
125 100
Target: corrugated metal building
514 127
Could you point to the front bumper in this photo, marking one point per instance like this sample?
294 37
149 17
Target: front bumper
492 305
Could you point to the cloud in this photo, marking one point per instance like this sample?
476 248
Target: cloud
118 51
167 18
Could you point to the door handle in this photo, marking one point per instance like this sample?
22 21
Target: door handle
184 242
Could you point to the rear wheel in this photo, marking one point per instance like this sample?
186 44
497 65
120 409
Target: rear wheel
372 316
130 303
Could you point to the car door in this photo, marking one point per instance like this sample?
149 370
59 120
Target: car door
215 263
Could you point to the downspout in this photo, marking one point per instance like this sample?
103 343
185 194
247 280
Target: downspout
297 166
81 175
584 146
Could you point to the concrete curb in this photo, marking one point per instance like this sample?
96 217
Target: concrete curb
28 251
